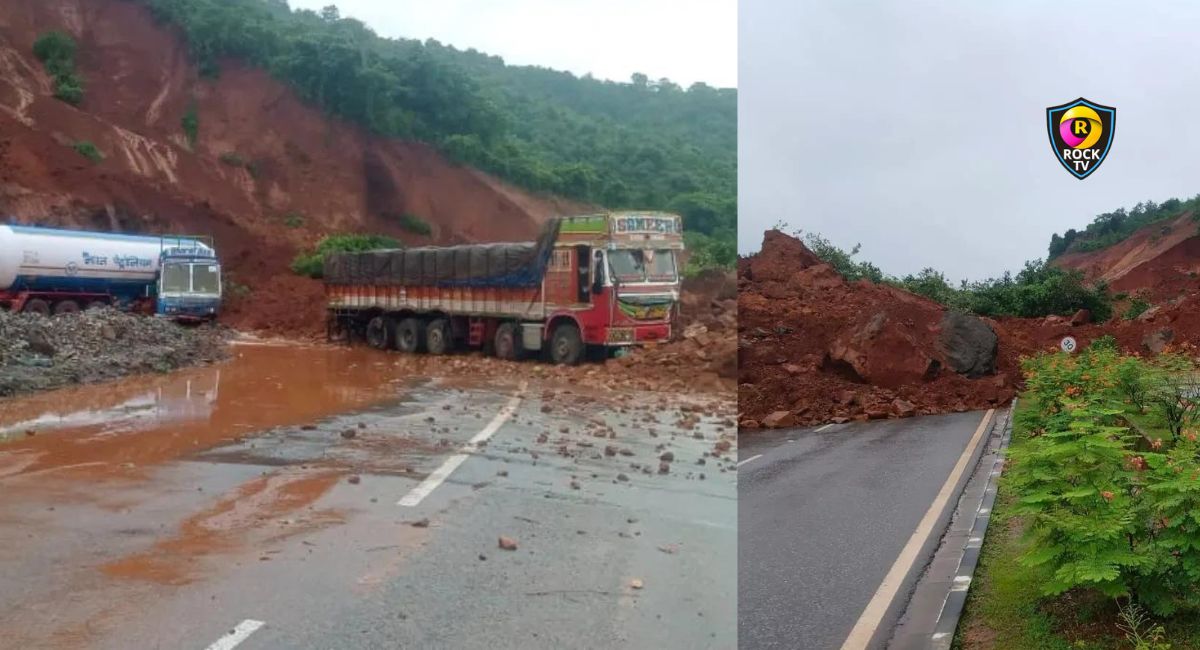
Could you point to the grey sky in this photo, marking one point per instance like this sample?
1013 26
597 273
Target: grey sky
612 39
919 128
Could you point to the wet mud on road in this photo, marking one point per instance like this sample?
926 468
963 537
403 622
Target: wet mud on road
163 511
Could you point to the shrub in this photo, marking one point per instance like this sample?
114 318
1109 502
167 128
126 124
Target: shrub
414 224
1105 508
56 51
1137 307
312 263
232 159
88 150
191 124
293 220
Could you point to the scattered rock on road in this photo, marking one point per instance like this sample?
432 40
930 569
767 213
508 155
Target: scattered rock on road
508 543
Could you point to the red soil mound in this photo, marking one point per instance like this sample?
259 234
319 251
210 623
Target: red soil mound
1161 259
295 161
814 348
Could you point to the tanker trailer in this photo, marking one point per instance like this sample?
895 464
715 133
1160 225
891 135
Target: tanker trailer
53 271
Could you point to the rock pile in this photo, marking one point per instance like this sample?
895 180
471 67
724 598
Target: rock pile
39 353
815 348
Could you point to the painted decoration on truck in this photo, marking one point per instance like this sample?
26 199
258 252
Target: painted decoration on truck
593 225
646 224
653 311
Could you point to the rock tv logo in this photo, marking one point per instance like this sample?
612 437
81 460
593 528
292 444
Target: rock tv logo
1081 134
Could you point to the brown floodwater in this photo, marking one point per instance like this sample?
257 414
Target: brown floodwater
118 427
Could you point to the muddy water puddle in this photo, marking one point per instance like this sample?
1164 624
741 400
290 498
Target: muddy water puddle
146 420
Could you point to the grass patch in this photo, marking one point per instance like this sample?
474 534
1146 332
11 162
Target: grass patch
293 220
88 150
232 159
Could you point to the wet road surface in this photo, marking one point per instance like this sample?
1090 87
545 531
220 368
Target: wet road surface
823 514
262 496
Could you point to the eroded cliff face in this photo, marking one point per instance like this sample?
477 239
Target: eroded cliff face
266 176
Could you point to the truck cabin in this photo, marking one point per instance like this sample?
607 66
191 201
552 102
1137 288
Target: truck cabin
189 285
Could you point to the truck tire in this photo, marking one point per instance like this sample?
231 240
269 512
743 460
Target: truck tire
410 336
505 344
566 345
438 337
36 306
66 307
379 333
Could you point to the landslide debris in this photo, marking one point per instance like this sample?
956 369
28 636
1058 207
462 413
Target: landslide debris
704 358
39 353
815 348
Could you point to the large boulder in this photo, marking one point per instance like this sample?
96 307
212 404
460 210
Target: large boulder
818 276
881 351
1156 342
967 344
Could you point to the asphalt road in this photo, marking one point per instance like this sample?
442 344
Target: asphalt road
822 517
295 536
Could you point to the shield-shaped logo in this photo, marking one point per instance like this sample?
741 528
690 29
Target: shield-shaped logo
1081 133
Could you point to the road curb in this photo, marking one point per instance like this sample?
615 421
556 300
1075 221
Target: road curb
932 613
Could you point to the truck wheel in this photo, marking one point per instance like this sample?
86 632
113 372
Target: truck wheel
66 307
408 336
505 342
438 338
36 306
379 333
566 346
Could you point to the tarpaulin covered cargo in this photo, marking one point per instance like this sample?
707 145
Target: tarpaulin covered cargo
473 265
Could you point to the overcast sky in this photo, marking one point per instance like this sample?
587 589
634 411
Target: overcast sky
919 128
612 39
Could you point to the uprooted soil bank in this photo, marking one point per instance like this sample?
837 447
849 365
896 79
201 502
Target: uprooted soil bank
815 348
39 353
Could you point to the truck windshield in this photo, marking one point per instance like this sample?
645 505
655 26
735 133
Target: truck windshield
201 278
206 278
640 266
176 278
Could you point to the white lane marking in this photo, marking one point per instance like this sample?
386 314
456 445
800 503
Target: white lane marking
872 616
439 475
820 429
743 462
236 635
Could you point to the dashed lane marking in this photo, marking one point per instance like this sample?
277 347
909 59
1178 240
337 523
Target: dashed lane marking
439 475
235 636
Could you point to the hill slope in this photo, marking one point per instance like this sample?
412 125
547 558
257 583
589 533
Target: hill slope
266 175
1161 259
639 145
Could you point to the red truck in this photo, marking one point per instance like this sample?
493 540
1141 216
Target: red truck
589 283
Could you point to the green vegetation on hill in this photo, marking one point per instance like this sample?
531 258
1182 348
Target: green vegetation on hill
56 51
312 263
1037 290
1116 226
642 145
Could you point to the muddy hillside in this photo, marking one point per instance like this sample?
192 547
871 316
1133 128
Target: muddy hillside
265 175
815 348
1161 260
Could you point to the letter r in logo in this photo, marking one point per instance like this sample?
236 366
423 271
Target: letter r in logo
1081 127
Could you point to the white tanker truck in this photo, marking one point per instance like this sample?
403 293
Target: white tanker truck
52 271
